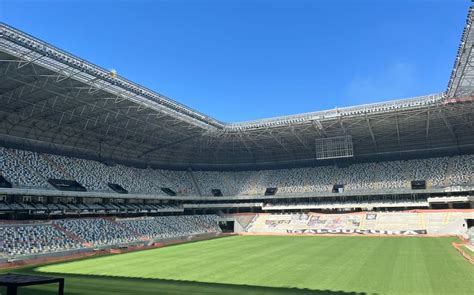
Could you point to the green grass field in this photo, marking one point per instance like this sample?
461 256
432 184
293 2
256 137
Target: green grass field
274 265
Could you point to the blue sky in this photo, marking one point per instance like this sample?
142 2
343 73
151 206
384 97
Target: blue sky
242 60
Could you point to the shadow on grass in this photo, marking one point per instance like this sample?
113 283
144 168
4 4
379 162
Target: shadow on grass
77 284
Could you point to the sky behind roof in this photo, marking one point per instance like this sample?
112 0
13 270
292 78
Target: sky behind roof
239 60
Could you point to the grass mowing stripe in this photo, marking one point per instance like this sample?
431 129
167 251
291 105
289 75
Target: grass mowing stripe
384 265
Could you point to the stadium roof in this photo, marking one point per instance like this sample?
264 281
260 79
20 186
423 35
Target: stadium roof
57 102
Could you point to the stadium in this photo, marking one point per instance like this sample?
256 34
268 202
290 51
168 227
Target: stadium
108 187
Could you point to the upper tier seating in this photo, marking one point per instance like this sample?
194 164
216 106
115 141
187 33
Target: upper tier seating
18 173
438 172
29 169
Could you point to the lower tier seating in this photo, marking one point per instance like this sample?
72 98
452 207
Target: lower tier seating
18 240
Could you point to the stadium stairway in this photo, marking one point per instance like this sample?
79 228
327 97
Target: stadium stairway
251 222
446 219
244 220
449 171
408 176
247 220
362 221
57 166
196 185
71 235
228 183
421 217
255 178
140 236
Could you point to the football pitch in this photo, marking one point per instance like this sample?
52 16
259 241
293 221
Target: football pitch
273 265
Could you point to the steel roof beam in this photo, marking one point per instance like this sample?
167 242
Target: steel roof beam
371 133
